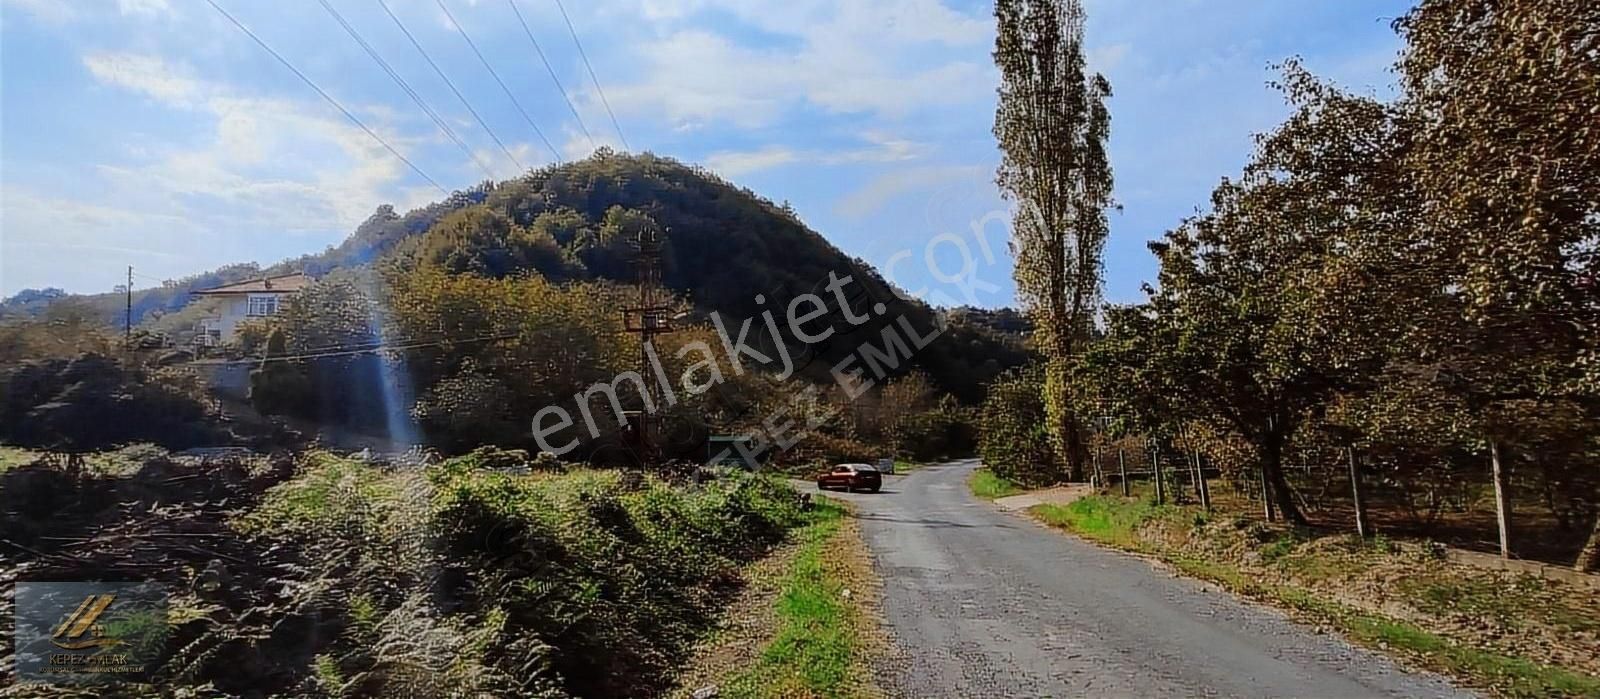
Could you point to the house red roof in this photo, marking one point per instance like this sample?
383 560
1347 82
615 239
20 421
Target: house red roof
283 284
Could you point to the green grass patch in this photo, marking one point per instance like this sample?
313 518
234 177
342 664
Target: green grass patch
817 643
1108 519
985 484
11 457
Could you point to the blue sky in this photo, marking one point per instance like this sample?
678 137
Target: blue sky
154 133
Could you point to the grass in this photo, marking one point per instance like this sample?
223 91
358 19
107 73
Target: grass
16 456
985 484
1117 522
1110 520
818 644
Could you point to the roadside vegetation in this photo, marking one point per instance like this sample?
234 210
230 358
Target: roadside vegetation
985 484
324 576
1515 635
823 639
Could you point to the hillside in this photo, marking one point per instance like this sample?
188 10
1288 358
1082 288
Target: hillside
574 222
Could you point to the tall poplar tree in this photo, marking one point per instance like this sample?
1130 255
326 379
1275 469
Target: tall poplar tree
1052 125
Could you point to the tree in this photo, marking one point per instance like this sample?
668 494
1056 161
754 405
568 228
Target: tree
1052 126
1504 96
1013 435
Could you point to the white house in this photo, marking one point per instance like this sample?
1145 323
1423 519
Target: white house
242 301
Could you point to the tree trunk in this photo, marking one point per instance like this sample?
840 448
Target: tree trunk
1589 557
1362 528
1502 498
1065 438
1203 489
1075 449
1278 486
1122 470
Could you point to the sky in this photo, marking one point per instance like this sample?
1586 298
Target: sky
156 134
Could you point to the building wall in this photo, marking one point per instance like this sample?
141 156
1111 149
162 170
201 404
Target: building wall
234 311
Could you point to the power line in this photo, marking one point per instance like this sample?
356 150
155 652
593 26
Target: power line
440 72
443 127
380 347
552 71
581 54
474 46
353 118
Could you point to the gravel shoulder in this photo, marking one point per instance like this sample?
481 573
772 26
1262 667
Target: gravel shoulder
979 602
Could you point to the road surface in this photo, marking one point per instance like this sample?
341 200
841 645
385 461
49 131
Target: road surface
981 603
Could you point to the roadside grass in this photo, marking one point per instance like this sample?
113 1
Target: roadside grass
1122 523
819 644
11 457
985 484
1102 519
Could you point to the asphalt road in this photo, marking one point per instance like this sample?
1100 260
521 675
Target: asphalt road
981 603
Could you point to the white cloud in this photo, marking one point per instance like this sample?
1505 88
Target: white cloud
146 74
254 170
47 11
900 182
882 148
153 8
845 57
735 163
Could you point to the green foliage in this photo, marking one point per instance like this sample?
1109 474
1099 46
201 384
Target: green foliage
1052 125
530 585
599 572
93 402
1013 437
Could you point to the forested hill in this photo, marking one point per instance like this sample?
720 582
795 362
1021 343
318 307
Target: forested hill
723 245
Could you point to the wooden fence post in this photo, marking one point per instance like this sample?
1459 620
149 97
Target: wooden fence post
1502 498
1122 467
1362 528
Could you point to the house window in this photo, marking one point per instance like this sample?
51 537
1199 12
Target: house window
261 306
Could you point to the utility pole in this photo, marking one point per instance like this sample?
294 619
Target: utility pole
648 319
127 314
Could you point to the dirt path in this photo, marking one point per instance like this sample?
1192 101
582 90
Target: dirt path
983 603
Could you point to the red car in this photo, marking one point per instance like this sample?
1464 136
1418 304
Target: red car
851 477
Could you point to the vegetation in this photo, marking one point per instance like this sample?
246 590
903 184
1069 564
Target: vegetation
488 574
1052 125
1514 635
1365 309
1013 432
818 649
987 484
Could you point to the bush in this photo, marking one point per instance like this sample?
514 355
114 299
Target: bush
93 402
531 584
1011 426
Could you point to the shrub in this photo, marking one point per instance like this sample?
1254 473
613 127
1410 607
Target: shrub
1011 426
513 584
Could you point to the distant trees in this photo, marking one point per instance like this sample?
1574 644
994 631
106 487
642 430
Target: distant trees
1052 126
